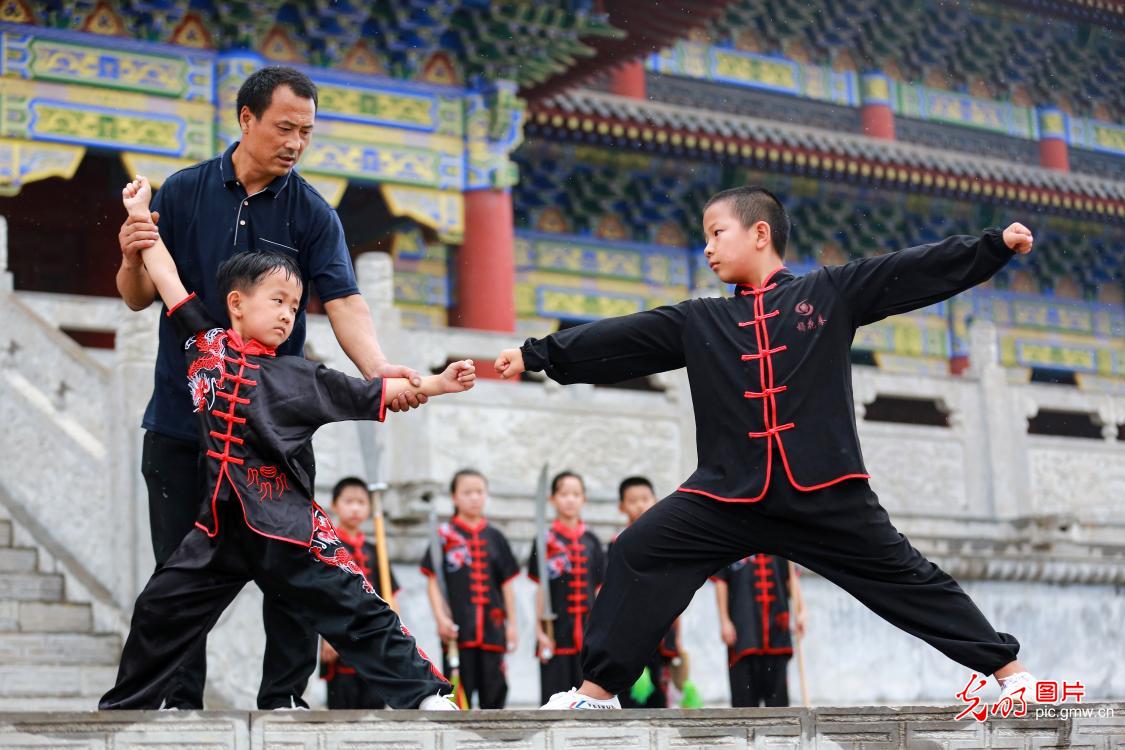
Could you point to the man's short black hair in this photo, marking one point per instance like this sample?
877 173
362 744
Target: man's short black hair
244 271
257 90
628 482
753 203
346 482
563 475
465 473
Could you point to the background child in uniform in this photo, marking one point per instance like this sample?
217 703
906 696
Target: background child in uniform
635 495
575 564
479 568
754 596
351 503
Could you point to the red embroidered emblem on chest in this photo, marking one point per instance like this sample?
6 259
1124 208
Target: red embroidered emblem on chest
812 319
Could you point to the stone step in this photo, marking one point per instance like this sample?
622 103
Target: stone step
49 703
5 533
18 559
59 648
39 587
45 617
20 681
849 728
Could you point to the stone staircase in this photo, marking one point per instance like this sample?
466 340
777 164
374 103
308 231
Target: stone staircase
51 658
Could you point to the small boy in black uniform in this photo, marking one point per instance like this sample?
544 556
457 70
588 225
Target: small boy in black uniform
635 495
754 596
780 468
479 568
351 503
259 521
575 564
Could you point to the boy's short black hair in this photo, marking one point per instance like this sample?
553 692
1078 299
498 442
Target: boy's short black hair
563 475
465 473
256 91
243 271
346 482
628 482
753 203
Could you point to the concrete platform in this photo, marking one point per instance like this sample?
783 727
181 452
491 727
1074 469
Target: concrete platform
850 728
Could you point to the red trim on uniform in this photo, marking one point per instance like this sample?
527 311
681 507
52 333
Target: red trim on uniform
180 304
472 528
253 347
783 651
509 578
426 571
764 584
479 591
383 401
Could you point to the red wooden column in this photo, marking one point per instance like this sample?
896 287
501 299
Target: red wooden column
876 115
629 80
486 267
1053 150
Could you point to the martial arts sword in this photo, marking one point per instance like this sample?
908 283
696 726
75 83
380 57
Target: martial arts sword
437 560
546 613
371 454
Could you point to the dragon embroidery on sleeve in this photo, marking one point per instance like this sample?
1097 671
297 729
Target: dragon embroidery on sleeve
205 373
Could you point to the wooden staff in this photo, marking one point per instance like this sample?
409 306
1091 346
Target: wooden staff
800 600
386 590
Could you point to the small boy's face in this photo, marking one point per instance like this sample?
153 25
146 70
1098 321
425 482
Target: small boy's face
470 496
732 249
569 499
352 506
267 312
636 500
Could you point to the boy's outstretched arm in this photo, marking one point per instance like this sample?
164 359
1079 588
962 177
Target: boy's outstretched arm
158 261
605 351
458 376
917 277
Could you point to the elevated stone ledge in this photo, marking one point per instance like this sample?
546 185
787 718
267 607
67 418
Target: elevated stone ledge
847 728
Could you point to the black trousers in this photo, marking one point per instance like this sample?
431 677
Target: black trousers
184 598
563 672
759 681
174 478
482 674
346 689
840 532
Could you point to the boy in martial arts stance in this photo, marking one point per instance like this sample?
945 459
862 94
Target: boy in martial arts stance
258 520
780 469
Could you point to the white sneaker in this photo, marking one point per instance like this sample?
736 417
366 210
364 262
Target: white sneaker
1012 685
572 700
438 703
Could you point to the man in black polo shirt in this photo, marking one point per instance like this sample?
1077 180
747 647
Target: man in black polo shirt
249 199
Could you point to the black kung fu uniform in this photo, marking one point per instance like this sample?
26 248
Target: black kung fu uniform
575 565
758 604
780 468
256 413
346 689
478 562
659 664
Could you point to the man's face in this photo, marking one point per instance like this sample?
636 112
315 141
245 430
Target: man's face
731 247
636 500
276 141
267 312
352 506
